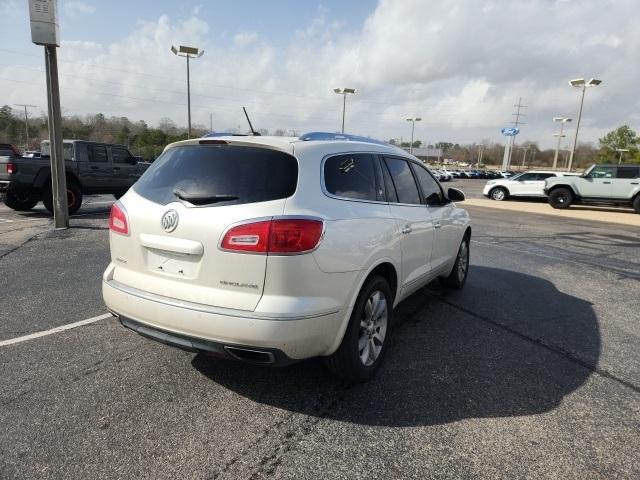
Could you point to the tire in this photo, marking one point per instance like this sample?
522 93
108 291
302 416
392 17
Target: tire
351 361
636 204
561 198
74 198
499 194
460 271
21 200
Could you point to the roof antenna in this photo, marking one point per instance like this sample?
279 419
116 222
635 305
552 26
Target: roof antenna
255 134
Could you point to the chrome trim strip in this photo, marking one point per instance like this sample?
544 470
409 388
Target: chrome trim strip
199 307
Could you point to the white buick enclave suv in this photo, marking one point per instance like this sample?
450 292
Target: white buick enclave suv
271 249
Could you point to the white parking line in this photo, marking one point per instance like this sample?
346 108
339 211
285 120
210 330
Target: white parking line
69 326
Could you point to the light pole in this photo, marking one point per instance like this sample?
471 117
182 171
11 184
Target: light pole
26 123
580 83
413 121
344 92
562 121
621 150
188 53
480 152
524 155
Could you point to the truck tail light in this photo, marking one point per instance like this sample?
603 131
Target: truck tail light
10 168
277 236
118 221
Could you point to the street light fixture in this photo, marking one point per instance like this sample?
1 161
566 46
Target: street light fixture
580 83
188 53
562 121
344 92
621 150
413 127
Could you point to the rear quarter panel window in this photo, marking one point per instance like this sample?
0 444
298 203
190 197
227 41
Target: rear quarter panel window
352 176
252 174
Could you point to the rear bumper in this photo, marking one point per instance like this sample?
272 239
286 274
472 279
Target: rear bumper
198 327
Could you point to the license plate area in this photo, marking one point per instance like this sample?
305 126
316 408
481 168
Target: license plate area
180 265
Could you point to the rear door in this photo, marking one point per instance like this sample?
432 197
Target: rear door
124 168
625 182
413 219
98 168
173 246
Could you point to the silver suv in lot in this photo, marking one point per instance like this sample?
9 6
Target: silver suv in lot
272 250
600 184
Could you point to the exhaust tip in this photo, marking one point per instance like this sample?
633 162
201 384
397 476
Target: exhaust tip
249 355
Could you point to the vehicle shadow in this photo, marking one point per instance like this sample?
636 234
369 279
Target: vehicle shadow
509 344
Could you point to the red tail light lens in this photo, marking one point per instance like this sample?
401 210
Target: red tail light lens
250 237
118 219
274 236
10 168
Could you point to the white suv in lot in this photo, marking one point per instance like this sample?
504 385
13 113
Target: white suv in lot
527 184
271 250
600 184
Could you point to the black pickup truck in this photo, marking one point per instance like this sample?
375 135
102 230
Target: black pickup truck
91 168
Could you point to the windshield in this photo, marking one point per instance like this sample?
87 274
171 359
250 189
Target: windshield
219 175
516 176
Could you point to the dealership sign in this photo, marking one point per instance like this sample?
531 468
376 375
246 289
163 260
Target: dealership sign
510 131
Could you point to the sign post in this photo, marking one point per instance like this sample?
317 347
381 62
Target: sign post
43 15
510 133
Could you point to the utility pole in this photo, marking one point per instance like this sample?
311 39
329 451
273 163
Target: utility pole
43 15
26 123
508 150
211 122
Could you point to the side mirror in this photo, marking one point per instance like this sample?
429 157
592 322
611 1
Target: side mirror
455 195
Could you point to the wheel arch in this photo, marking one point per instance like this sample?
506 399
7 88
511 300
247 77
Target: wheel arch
563 185
389 271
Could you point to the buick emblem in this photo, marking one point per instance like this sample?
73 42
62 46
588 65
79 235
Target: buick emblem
169 221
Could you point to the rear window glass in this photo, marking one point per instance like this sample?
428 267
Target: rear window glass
628 172
224 171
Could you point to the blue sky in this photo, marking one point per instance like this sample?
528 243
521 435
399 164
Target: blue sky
459 64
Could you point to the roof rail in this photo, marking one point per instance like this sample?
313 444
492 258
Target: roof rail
338 136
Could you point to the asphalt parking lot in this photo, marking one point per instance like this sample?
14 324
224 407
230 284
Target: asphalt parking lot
531 371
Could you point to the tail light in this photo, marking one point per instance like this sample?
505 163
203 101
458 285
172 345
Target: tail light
284 236
10 168
118 221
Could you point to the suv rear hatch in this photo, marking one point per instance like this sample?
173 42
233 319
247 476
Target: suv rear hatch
178 212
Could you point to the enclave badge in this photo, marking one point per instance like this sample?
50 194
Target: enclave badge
169 221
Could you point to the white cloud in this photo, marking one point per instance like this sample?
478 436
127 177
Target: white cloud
460 64
243 39
78 7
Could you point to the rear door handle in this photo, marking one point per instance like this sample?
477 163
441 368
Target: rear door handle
606 183
116 168
94 167
407 229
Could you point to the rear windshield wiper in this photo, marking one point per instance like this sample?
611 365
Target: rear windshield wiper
202 198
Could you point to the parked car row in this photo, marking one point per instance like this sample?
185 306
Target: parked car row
447 175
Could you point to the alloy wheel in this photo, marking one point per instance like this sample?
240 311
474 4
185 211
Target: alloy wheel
373 328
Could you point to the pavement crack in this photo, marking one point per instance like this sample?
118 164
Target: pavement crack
542 343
